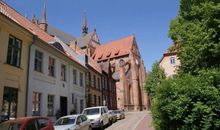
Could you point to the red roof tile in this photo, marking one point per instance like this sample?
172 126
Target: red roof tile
114 49
94 65
28 25
24 22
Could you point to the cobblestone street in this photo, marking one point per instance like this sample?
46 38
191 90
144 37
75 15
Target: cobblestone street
133 121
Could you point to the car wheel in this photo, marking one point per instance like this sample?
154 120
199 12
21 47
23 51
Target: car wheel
101 126
110 122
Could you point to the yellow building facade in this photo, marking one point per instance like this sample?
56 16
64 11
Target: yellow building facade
14 54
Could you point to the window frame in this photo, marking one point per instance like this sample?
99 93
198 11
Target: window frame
36 104
81 79
63 72
75 76
50 113
99 83
172 60
38 61
94 81
51 66
14 48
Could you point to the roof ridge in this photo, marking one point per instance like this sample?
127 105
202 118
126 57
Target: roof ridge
2 2
25 22
123 38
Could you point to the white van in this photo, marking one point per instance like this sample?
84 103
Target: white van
98 116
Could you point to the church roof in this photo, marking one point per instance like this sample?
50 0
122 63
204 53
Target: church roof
84 40
113 49
24 22
96 66
63 36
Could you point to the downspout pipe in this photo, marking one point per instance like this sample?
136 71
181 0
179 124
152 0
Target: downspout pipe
28 69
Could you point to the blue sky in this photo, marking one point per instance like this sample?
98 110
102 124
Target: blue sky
149 20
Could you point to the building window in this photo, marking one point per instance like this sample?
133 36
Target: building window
172 60
89 78
106 101
94 79
76 105
74 76
103 83
81 105
106 82
36 99
99 100
50 105
63 72
99 83
95 103
81 79
51 67
14 51
38 61
89 100
73 98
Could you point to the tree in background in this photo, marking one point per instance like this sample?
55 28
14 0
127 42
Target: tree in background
191 100
154 78
197 26
187 102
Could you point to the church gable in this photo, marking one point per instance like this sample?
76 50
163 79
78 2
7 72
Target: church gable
135 49
94 40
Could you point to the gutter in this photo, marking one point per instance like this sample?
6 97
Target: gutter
28 72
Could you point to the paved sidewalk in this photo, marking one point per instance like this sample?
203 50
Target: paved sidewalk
145 123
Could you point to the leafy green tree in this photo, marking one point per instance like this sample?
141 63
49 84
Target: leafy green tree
190 101
197 26
187 103
154 78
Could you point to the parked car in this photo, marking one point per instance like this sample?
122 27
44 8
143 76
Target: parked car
28 123
4 117
120 114
73 122
98 116
112 116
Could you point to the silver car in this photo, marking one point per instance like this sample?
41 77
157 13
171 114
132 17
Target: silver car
73 122
120 114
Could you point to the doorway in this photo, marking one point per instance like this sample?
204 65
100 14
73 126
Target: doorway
10 101
63 106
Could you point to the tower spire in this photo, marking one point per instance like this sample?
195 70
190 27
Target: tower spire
85 27
43 23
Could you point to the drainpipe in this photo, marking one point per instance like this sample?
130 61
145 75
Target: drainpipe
27 84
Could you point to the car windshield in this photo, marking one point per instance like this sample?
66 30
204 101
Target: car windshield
117 112
65 121
94 111
11 126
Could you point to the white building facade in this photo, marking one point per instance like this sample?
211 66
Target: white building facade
56 84
170 63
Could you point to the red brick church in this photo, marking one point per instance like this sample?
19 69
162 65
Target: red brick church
126 67
121 57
